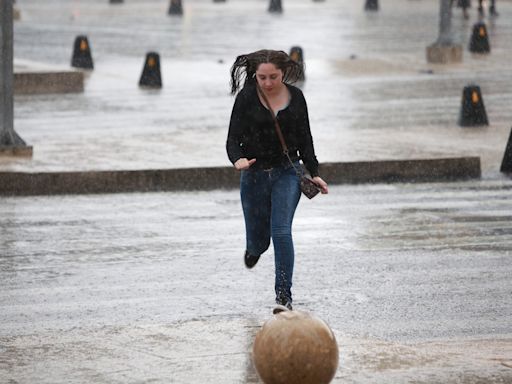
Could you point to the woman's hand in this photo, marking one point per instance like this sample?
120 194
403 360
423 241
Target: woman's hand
244 163
321 184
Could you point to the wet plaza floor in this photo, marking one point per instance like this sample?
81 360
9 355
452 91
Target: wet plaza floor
414 279
370 92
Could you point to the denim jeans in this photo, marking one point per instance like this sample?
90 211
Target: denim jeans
269 199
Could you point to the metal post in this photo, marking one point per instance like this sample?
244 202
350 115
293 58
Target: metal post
445 23
445 50
10 142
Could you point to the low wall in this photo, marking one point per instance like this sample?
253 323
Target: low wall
30 83
190 179
16 151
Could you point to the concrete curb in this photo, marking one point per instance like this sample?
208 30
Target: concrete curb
32 78
33 83
190 179
16 151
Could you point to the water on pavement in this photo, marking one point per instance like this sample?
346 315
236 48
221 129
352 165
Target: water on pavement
370 92
414 280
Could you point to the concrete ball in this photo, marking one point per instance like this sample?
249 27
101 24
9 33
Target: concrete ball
295 347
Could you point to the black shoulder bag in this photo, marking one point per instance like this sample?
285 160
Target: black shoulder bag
307 185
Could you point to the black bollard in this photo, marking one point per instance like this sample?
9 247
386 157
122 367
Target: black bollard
472 110
82 54
479 40
371 5
175 8
116 1
275 6
219 1
506 164
297 54
151 76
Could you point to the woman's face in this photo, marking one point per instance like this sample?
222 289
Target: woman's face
269 77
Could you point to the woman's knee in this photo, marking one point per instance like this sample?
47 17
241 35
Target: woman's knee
281 231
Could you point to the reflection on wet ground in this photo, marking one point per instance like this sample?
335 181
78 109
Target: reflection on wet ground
370 93
413 278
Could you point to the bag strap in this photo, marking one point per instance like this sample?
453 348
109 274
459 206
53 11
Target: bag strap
274 118
278 129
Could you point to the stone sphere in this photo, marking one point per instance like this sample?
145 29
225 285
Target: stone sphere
295 347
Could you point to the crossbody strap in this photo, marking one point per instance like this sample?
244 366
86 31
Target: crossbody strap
278 129
276 123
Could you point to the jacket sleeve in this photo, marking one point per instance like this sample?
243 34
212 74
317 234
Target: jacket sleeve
306 148
236 129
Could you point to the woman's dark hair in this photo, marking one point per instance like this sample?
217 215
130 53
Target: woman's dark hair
245 66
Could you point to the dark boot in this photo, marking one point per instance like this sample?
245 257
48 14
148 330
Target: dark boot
283 304
250 260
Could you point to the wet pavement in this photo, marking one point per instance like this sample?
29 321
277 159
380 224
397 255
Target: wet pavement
371 94
414 279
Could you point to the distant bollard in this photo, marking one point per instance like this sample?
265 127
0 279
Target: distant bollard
506 164
371 5
82 54
297 54
219 1
116 1
151 76
472 110
175 8
275 6
479 39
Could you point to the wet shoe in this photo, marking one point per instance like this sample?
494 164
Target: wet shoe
250 260
280 308
283 304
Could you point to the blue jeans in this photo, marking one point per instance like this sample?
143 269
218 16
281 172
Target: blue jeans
269 199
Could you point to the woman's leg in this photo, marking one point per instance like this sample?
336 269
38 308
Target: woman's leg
480 7
255 190
465 6
285 197
492 8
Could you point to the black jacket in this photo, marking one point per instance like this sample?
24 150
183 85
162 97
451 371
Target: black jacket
252 132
